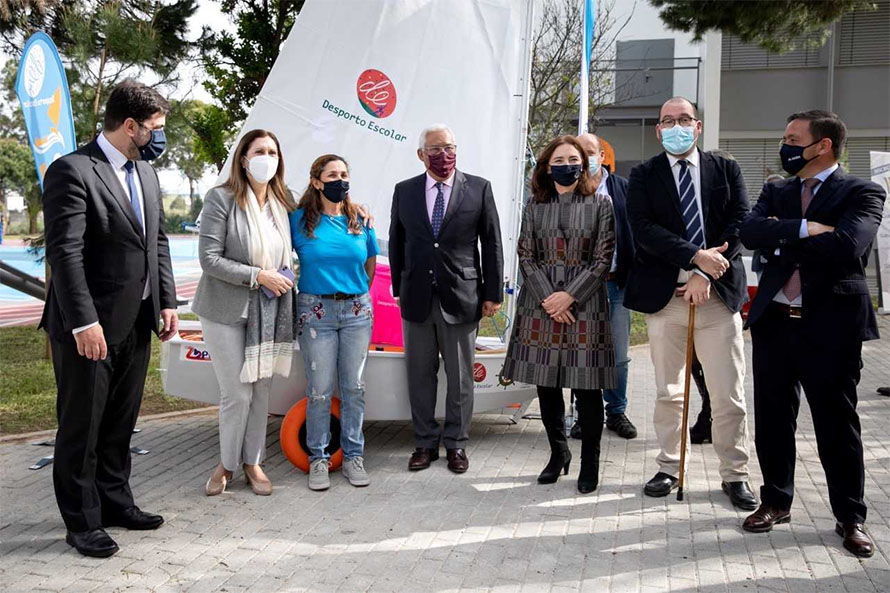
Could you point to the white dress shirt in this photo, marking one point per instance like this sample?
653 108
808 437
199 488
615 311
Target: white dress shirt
695 172
117 159
803 234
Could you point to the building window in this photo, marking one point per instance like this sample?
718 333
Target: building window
858 160
739 56
865 36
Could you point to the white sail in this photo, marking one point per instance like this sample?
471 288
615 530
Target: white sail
362 78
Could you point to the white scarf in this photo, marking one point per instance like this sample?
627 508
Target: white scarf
260 255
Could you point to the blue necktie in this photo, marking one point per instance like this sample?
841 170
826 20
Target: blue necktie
438 209
689 207
134 193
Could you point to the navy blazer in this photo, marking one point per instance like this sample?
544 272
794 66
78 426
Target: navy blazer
465 275
661 251
96 248
836 303
624 244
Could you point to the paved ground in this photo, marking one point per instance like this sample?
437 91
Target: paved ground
491 529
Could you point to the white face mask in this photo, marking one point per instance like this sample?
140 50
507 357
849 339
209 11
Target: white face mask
594 161
263 167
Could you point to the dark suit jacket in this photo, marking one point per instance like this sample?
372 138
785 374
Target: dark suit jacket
653 206
624 243
98 256
835 298
464 278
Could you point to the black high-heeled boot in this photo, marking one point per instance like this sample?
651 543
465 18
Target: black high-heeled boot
558 465
553 417
590 416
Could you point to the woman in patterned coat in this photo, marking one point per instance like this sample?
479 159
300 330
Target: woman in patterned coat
561 333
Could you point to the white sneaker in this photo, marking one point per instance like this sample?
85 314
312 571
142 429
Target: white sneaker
318 475
354 470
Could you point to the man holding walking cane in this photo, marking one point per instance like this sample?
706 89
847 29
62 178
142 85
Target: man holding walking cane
685 207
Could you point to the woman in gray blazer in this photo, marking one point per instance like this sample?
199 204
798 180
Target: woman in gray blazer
245 301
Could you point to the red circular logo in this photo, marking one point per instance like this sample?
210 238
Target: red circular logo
478 372
376 93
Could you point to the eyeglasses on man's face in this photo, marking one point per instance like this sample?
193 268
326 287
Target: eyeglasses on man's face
670 122
438 149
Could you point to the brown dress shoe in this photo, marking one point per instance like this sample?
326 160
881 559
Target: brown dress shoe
763 519
855 539
457 460
421 458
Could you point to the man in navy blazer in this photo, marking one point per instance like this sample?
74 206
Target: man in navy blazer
615 186
808 321
447 271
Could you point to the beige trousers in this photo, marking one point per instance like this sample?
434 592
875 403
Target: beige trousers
720 348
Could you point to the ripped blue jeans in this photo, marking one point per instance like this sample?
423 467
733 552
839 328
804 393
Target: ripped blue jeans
334 337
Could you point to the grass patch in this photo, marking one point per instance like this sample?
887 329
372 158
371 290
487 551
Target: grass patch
28 386
638 332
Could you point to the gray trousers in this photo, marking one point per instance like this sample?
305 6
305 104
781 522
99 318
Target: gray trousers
424 342
243 407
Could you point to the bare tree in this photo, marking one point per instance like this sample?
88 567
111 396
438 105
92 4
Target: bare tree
556 67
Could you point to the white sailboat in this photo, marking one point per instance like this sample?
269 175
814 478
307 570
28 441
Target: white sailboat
362 78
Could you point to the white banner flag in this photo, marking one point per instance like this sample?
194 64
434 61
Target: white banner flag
880 174
362 78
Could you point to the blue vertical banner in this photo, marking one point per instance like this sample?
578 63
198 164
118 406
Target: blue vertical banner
586 57
42 89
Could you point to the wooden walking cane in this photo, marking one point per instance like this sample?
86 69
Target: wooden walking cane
690 349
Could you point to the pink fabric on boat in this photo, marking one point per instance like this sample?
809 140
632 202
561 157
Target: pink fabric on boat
387 317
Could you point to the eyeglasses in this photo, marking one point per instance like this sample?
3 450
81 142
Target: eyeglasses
684 121
447 148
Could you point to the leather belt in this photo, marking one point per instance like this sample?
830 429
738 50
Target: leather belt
789 310
340 296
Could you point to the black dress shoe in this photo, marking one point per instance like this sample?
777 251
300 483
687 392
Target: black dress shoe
701 430
95 543
134 518
421 458
855 539
660 485
764 518
740 495
457 460
621 425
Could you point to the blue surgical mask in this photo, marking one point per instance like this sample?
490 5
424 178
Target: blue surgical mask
678 139
594 163
155 146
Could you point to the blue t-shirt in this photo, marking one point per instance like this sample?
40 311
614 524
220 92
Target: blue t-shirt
334 260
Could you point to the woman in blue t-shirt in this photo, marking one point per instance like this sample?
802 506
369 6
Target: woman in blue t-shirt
337 258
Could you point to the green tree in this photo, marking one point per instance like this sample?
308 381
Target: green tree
238 64
16 172
775 25
214 130
183 153
102 42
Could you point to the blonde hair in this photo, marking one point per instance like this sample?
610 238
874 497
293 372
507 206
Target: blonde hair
237 182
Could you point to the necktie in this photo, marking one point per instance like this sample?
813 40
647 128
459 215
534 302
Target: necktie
689 207
438 209
791 290
134 193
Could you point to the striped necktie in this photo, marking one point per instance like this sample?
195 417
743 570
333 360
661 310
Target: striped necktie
689 207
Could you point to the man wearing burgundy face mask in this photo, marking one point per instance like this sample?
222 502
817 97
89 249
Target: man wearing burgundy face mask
444 284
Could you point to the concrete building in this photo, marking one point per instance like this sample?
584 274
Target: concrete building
744 93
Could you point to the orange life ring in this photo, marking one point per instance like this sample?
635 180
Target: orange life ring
293 435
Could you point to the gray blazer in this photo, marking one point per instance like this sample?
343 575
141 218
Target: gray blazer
224 251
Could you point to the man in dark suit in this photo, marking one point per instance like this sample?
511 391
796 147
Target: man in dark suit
111 282
444 285
808 321
610 184
685 207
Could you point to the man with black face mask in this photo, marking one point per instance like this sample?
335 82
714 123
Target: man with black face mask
808 321
112 281
444 284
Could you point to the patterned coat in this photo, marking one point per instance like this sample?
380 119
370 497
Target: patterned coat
565 244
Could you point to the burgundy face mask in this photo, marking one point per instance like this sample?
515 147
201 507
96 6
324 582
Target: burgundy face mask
442 164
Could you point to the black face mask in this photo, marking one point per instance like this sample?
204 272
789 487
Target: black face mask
792 157
336 191
565 175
